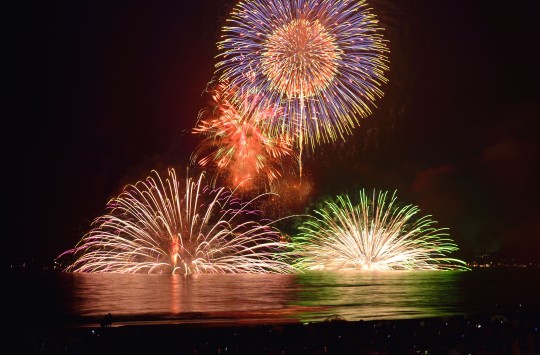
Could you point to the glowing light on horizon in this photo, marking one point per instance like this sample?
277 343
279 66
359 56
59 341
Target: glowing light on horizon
322 61
159 226
233 143
375 233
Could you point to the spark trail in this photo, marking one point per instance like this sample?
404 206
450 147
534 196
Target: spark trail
376 233
161 226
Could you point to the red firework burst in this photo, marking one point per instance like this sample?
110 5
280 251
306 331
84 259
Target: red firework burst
234 144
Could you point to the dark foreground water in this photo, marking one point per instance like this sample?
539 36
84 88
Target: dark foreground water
83 299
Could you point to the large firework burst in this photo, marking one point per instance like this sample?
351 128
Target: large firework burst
234 144
157 226
376 233
322 61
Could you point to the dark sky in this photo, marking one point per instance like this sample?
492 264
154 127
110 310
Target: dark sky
104 91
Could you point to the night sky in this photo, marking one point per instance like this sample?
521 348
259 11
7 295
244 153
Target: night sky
101 92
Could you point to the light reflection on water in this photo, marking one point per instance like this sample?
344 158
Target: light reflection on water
311 297
308 297
170 295
381 295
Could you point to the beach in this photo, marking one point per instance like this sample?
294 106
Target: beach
500 333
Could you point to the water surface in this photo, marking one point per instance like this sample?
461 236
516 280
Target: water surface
83 299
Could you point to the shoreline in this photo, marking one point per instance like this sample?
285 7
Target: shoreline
508 333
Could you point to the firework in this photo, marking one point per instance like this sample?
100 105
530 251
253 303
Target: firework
376 233
322 61
290 196
234 144
155 226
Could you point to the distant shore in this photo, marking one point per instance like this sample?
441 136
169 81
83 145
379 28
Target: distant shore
510 333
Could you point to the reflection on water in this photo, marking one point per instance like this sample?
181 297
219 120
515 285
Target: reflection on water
381 295
177 295
310 297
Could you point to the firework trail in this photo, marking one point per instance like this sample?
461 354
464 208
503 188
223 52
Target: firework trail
155 226
377 233
322 61
234 144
